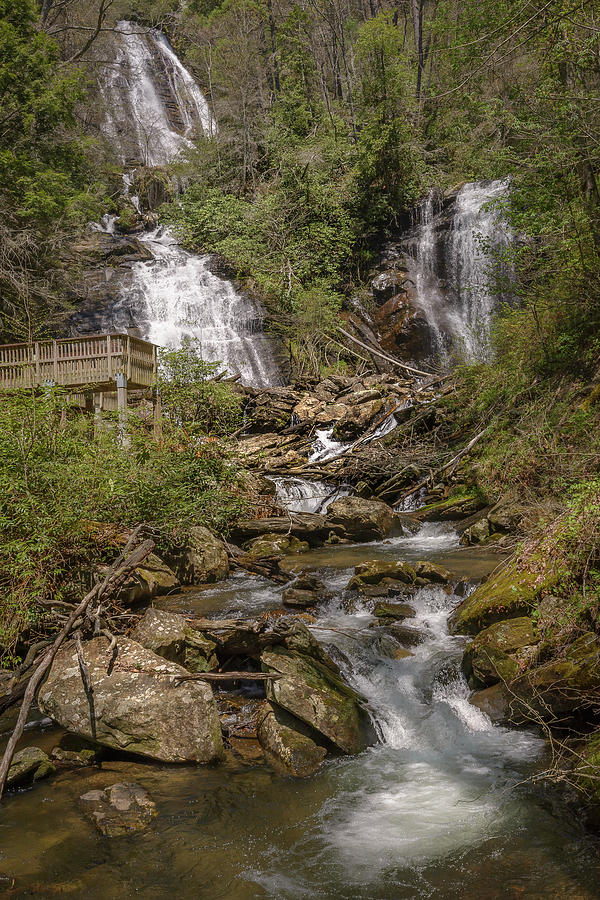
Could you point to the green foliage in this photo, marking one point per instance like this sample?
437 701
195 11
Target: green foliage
59 484
189 397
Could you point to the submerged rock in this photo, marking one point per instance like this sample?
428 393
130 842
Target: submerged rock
29 765
298 598
315 694
286 744
364 520
393 612
131 702
168 635
119 809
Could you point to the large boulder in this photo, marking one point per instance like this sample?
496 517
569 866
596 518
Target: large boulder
204 559
151 579
168 635
119 809
509 593
487 659
287 744
358 417
310 527
364 520
374 571
274 545
129 700
316 695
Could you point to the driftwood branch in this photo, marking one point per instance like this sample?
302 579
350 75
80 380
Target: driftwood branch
114 579
390 359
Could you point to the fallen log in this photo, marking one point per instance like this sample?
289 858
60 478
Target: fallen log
390 359
114 579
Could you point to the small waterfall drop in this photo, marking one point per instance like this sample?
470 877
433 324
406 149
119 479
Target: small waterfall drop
455 252
152 109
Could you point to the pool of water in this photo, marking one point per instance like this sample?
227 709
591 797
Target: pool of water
440 808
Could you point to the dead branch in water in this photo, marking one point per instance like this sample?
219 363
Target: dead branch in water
113 581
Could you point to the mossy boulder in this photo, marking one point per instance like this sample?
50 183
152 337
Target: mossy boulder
393 612
453 509
29 765
274 545
433 574
288 744
168 635
509 593
203 559
316 695
152 579
487 658
374 571
364 520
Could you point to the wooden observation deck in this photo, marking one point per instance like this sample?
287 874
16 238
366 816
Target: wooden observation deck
100 363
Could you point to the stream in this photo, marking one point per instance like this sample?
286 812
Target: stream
441 807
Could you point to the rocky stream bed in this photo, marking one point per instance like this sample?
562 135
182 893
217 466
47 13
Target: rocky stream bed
302 711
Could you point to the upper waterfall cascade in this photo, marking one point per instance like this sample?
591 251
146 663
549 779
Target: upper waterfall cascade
454 265
152 108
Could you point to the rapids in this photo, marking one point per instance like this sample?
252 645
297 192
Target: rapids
440 808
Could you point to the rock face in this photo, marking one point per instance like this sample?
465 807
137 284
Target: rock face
204 560
119 809
30 764
364 520
131 703
315 694
169 635
286 745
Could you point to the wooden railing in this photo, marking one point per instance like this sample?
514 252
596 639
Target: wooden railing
93 360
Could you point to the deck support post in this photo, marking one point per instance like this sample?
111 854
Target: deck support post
121 379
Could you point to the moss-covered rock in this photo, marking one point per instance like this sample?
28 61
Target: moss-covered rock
487 658
203 559
433 574
152 579
374 571
393 612
317 696
287 743
506 594
274 545
28 765
364 520
452 509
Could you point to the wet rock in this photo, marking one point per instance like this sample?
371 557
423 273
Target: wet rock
287 745
152 579
495 702
298 598
487 658
131 702
358 418
433 574
393 612
406 635
373 572
204 559
274 545
169 635
505 517
509 593
29 765
316 695
452 509
271 408
477 533
119 809
310 527
76 760
364 520
387 285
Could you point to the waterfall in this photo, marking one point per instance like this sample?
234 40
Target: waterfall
152 108
454 255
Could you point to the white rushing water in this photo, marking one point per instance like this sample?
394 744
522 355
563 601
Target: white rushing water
301 495
454 267
326 447
153 107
